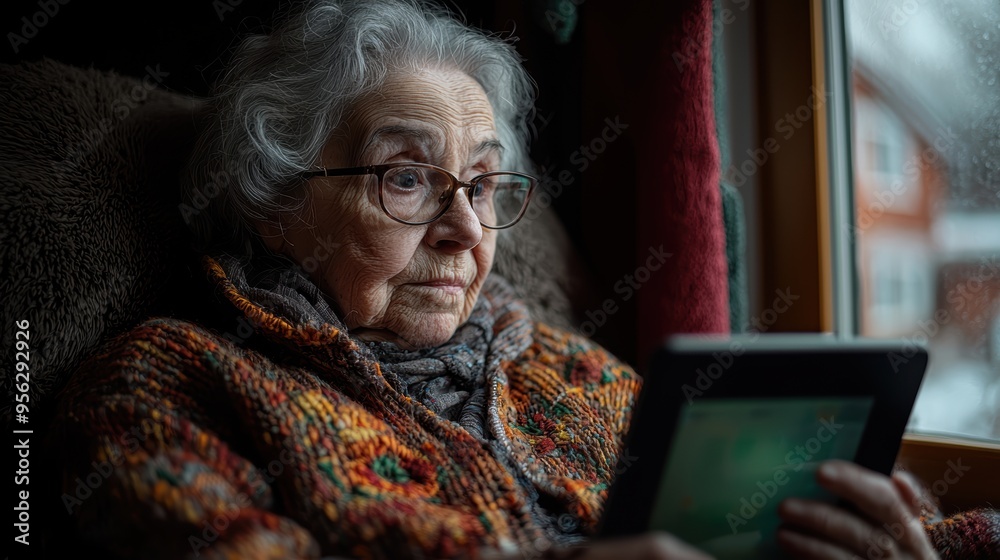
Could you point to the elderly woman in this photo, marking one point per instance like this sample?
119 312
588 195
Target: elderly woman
390 397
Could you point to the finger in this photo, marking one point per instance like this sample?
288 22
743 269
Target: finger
908 491
802 546
871 492
875 495
919 540
832 524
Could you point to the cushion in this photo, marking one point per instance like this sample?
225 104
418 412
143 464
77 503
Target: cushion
88 193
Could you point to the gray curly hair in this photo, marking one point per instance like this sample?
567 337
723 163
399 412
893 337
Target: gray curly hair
285 93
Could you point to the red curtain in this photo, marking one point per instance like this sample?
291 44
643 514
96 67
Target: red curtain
652 69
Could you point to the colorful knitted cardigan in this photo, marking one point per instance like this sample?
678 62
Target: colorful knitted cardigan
179 441
225 452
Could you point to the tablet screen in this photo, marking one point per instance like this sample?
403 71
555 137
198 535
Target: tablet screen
734 460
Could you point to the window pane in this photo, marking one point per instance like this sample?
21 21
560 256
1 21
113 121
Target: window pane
926 151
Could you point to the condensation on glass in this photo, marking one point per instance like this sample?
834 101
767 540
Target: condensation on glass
926 148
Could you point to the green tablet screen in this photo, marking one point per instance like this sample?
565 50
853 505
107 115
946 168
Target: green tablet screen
734 460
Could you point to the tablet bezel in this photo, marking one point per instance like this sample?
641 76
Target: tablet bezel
890 371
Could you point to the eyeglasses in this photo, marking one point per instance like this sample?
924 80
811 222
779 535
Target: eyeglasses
419 193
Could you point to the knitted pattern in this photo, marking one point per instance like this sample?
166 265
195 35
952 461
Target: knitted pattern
206 448
177 442
972 535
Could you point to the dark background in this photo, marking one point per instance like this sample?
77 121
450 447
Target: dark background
193 41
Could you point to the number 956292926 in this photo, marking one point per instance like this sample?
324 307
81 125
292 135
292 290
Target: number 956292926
22 371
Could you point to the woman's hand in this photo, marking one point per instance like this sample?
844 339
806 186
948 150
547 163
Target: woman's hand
891 528
648 546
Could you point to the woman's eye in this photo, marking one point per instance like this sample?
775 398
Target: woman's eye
406 179
483 188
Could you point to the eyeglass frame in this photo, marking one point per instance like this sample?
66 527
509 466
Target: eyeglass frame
456 184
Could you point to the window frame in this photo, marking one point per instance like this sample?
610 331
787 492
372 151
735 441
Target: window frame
832 63
808 235
793 221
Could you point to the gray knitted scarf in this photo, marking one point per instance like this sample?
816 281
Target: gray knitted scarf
449 379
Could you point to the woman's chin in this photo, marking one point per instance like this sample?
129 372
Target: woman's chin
431 332
428 337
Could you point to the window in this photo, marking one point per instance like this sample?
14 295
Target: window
899 234
884 149
895 272
925 100
882 214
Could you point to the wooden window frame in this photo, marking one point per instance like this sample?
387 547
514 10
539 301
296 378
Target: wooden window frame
804 220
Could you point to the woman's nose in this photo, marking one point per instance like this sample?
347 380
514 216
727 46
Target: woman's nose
459 228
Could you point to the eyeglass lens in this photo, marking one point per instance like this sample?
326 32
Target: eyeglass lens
418 194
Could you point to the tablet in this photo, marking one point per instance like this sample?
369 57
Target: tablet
726 428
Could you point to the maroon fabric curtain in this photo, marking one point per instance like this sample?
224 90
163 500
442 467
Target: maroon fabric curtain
678 184
652 69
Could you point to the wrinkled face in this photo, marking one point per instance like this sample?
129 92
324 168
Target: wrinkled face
413 285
